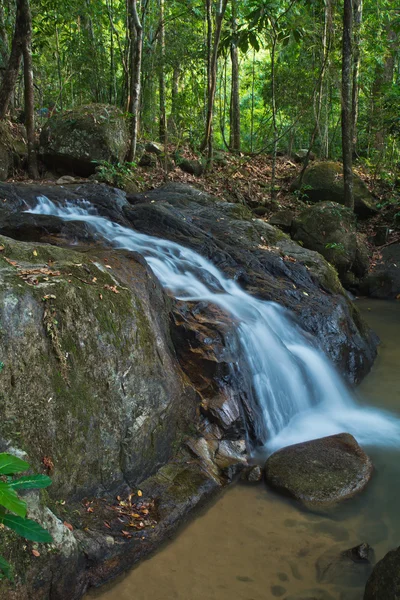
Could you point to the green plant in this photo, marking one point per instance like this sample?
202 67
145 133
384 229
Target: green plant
114 173
301 194
13 509
335 246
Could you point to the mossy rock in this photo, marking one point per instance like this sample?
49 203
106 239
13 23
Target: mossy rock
384 582
74 141
323 181
320 472
330 229
12 147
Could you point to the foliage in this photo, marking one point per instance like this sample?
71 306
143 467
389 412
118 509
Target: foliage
13 509
114 173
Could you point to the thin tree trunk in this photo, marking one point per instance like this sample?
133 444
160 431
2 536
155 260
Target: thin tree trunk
163 117
136 34
29 91
235 93
3 39
252 102
347 134
357 14
174 116
11 74
208 137
273 107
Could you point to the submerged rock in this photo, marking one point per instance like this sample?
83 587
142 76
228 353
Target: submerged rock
253 474
323 181
320 472
384 582
348 568
78 139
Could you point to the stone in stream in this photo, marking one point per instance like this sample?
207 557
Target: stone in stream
384 581
348 568
384 279
320 472
252 474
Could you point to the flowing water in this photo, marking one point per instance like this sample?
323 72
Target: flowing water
299 392
252 544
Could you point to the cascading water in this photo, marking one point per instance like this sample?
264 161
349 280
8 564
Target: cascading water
300 393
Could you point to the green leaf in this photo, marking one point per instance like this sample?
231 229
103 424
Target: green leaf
10 464
27 528
30 482
10 500
6 568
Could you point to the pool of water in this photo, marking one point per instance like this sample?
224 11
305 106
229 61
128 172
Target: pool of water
252 544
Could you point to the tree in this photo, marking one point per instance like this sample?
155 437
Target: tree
347 120
136 38
212 77
235 93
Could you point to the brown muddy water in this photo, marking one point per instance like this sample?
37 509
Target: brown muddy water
252 544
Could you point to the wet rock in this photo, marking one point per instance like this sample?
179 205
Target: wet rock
384 279
320 472
330 229
65 179
13 148
349 568
76 140
265 262
384 582
323 182
253 474
193 167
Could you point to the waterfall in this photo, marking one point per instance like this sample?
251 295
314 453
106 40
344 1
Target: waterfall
301 395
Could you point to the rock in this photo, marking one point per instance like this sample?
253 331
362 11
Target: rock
320 472
384 581
193 167
265 262
330 229
383 281
148 160
349 568
75 140
65 179
300 155
154 148
283 219
323 182
253 474
260 211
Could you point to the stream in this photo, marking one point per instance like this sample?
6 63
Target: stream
252 544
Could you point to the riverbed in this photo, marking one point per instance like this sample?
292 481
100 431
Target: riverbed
252 544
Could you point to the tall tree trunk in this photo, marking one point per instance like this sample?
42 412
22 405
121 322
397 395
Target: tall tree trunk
347 134
163 118
3 39
274 115
208 137
235 92
14 61
136 35
173 119
357 15
29 90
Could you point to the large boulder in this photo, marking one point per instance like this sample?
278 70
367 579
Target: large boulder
320 472
384 279
323 181
384 582
74 141
330 229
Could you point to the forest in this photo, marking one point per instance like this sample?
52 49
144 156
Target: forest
199 291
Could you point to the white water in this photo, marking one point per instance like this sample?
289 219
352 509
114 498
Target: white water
301 395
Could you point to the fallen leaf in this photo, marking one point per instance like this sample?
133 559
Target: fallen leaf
108 267
35 253
140 493
35 553
68 526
